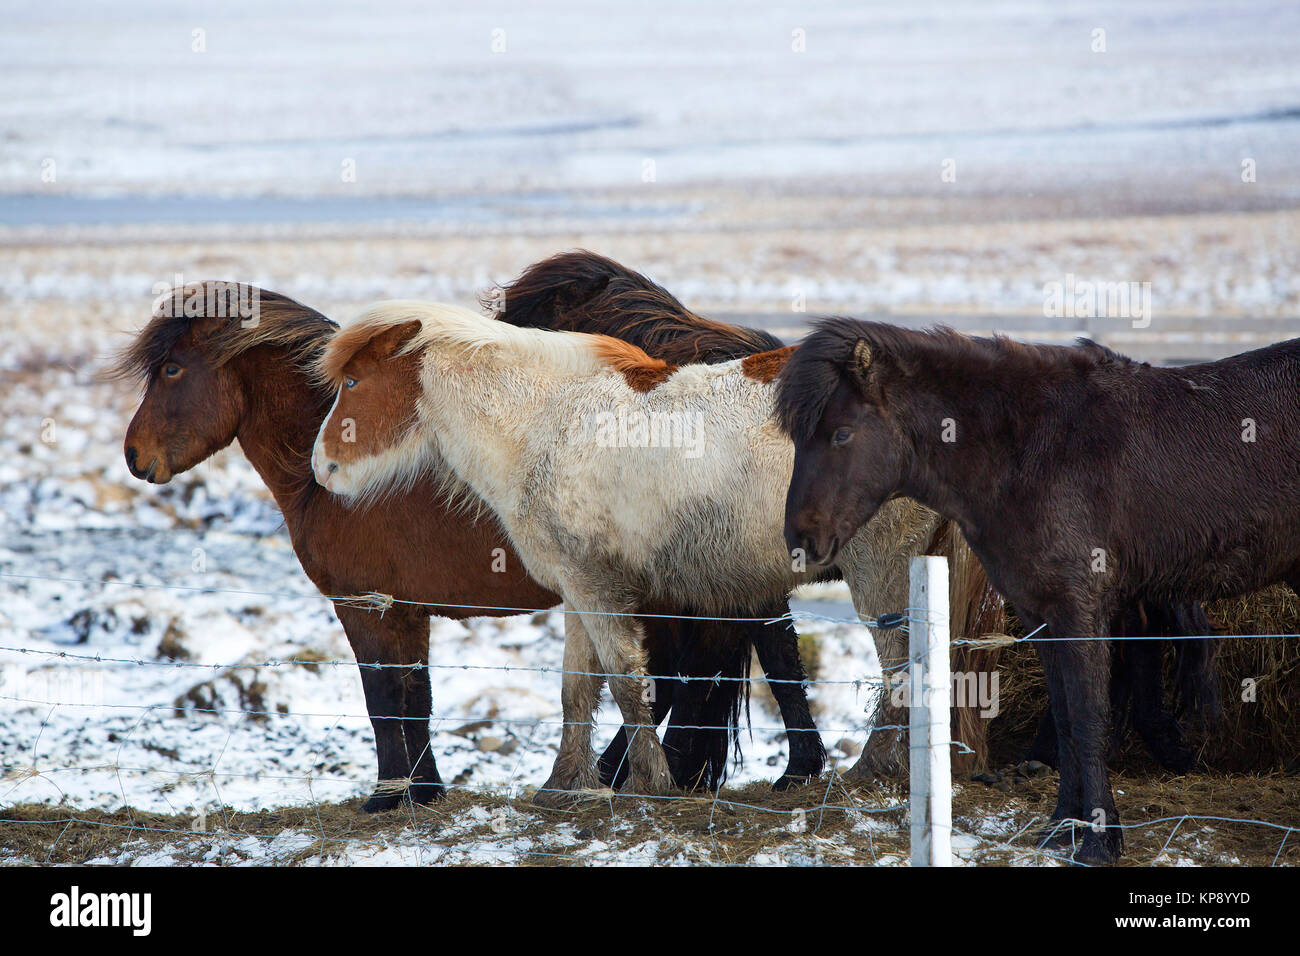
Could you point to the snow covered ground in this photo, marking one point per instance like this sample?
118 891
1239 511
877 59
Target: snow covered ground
134 618
743 156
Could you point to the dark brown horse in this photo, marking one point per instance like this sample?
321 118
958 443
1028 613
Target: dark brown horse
1084 481
212 375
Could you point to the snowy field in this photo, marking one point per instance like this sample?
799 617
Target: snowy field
172 687
136 620
503 97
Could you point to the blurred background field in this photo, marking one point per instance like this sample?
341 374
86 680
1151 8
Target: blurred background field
921 163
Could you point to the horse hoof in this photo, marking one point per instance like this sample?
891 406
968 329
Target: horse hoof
788 781
657 785
555 795
427 791
1094 849
1057 835
382 802
1099 850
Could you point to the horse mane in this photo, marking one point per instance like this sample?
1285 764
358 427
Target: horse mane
460 329
280 321
641 371
830 355
582 291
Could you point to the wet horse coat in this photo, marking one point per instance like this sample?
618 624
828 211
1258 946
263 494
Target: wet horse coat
1084 481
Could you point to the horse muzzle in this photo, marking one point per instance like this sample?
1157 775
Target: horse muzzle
323 468
155 472
816 548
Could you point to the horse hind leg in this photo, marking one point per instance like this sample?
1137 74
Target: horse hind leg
778 654
1143 661
1045 749
1152 718
1196 675
574 768
885 753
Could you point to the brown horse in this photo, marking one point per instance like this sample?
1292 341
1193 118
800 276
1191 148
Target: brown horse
1084 481
213 374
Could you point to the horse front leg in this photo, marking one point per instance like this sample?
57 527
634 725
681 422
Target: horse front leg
426 784
664 647
618 642
613 764
1078 682
574 768
375 643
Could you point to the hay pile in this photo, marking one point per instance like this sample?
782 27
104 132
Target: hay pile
1256 736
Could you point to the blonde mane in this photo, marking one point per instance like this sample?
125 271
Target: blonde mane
452 329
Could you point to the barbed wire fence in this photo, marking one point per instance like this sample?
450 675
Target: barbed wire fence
504 826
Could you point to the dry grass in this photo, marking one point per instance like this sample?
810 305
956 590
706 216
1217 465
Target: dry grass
1257 736
841 825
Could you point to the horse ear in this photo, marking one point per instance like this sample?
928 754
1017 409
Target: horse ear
861 365
390 340
862 356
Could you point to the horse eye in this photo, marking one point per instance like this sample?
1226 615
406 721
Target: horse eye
841 436
349 382
171 370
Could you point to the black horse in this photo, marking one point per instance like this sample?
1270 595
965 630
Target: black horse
1083 481
1137 691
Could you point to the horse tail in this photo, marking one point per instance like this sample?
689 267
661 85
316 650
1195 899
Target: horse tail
581 291
975 610
704 723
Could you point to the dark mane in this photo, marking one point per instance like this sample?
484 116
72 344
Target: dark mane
827 355
581 291
279 321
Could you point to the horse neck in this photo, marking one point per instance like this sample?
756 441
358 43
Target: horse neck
480 418
283 413
953 478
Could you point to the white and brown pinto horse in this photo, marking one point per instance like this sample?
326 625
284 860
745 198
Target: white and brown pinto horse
621 481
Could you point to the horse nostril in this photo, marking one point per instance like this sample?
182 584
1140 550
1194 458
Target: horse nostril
131 455
333 467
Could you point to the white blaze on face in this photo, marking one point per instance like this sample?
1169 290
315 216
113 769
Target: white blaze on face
320 463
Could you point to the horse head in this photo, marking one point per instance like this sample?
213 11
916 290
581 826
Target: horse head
850 457
369 440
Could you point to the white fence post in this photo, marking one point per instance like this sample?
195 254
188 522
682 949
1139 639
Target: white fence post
930 731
